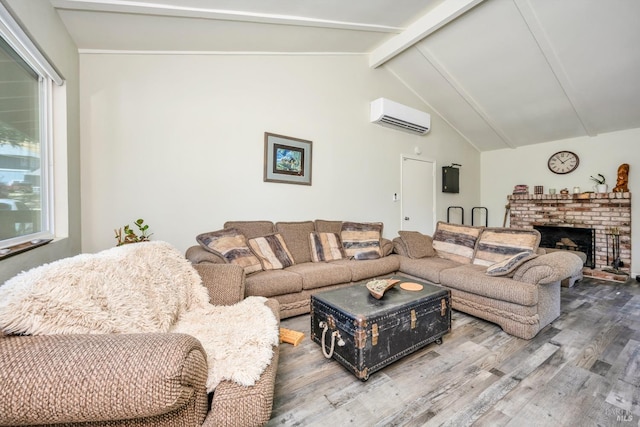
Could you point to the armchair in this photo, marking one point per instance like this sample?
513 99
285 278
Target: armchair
155 379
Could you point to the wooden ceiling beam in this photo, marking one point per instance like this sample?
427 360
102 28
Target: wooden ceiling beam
440 16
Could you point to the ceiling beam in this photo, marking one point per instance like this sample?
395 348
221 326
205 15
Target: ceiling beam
148 8
428 24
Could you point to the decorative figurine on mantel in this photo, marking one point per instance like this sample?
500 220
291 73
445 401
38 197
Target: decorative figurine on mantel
622 186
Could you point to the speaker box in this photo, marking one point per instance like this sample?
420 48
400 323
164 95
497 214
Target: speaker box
450 179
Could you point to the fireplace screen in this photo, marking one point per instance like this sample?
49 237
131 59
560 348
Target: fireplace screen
569 238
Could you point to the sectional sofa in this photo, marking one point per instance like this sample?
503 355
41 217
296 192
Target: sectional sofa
497 274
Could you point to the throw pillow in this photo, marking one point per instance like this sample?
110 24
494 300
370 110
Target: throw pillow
361 237
325 247
231 245
418 245
365 255
498 244
272 252
456 242
508 266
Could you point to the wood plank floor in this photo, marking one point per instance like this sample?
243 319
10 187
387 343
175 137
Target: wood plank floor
582 370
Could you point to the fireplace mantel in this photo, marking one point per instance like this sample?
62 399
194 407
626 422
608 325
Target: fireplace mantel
603 212
590 197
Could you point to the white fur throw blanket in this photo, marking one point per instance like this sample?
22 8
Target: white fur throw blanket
135 288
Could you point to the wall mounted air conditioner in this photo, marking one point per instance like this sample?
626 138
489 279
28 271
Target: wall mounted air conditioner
397 116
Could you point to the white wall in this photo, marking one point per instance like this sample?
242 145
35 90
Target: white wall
179 141
503 169
44 26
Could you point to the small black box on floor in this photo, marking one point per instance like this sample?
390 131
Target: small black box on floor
366 334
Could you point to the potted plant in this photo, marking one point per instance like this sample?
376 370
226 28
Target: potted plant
600 180
130 236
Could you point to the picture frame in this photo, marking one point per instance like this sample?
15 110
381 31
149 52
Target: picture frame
287 159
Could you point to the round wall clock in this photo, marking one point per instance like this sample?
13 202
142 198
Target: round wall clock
563 162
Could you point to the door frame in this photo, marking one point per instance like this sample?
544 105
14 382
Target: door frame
433 172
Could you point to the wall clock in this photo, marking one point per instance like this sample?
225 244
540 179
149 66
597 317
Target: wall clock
563 162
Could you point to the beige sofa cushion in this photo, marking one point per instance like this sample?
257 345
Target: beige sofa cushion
472 279
324 226
252 229
456 242
368 269
318 275
296 236
273 283
426 268
498 244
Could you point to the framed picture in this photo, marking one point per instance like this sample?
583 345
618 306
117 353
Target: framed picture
287 159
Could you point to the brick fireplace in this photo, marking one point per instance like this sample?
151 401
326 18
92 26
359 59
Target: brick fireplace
605 213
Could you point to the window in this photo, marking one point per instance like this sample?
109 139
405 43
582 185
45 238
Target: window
26 183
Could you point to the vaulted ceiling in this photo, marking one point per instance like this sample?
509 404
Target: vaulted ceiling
503 73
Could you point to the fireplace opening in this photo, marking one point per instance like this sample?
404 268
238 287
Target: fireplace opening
570 239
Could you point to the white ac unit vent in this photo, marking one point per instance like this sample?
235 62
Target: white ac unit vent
391 114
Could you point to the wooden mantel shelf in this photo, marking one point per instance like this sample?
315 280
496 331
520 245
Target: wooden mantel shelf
579 196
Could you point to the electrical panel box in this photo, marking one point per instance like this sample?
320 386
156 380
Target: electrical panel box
450 179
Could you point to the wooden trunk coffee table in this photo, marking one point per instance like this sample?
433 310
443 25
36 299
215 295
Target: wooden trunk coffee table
366 334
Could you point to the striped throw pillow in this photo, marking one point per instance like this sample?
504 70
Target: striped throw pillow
325 247
508 266
231 245
456 242
272 252
498 244
361 237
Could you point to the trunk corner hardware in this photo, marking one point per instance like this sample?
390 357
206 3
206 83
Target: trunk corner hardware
325 327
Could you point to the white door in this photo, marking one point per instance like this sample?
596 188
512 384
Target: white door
418 197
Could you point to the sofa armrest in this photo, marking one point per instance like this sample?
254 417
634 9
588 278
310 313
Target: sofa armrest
225 282
238 405
197 254
80 378
549 268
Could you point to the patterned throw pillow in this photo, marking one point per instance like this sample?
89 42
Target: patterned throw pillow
231 245
272 252
456 242
325 247
507 267
358 237
498 244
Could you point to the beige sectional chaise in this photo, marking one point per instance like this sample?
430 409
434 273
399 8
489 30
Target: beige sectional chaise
487 280
495 274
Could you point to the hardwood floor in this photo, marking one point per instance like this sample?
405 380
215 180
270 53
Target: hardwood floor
582 370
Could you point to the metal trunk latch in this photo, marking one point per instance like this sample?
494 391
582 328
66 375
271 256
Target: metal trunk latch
374 334
414 318
443 307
